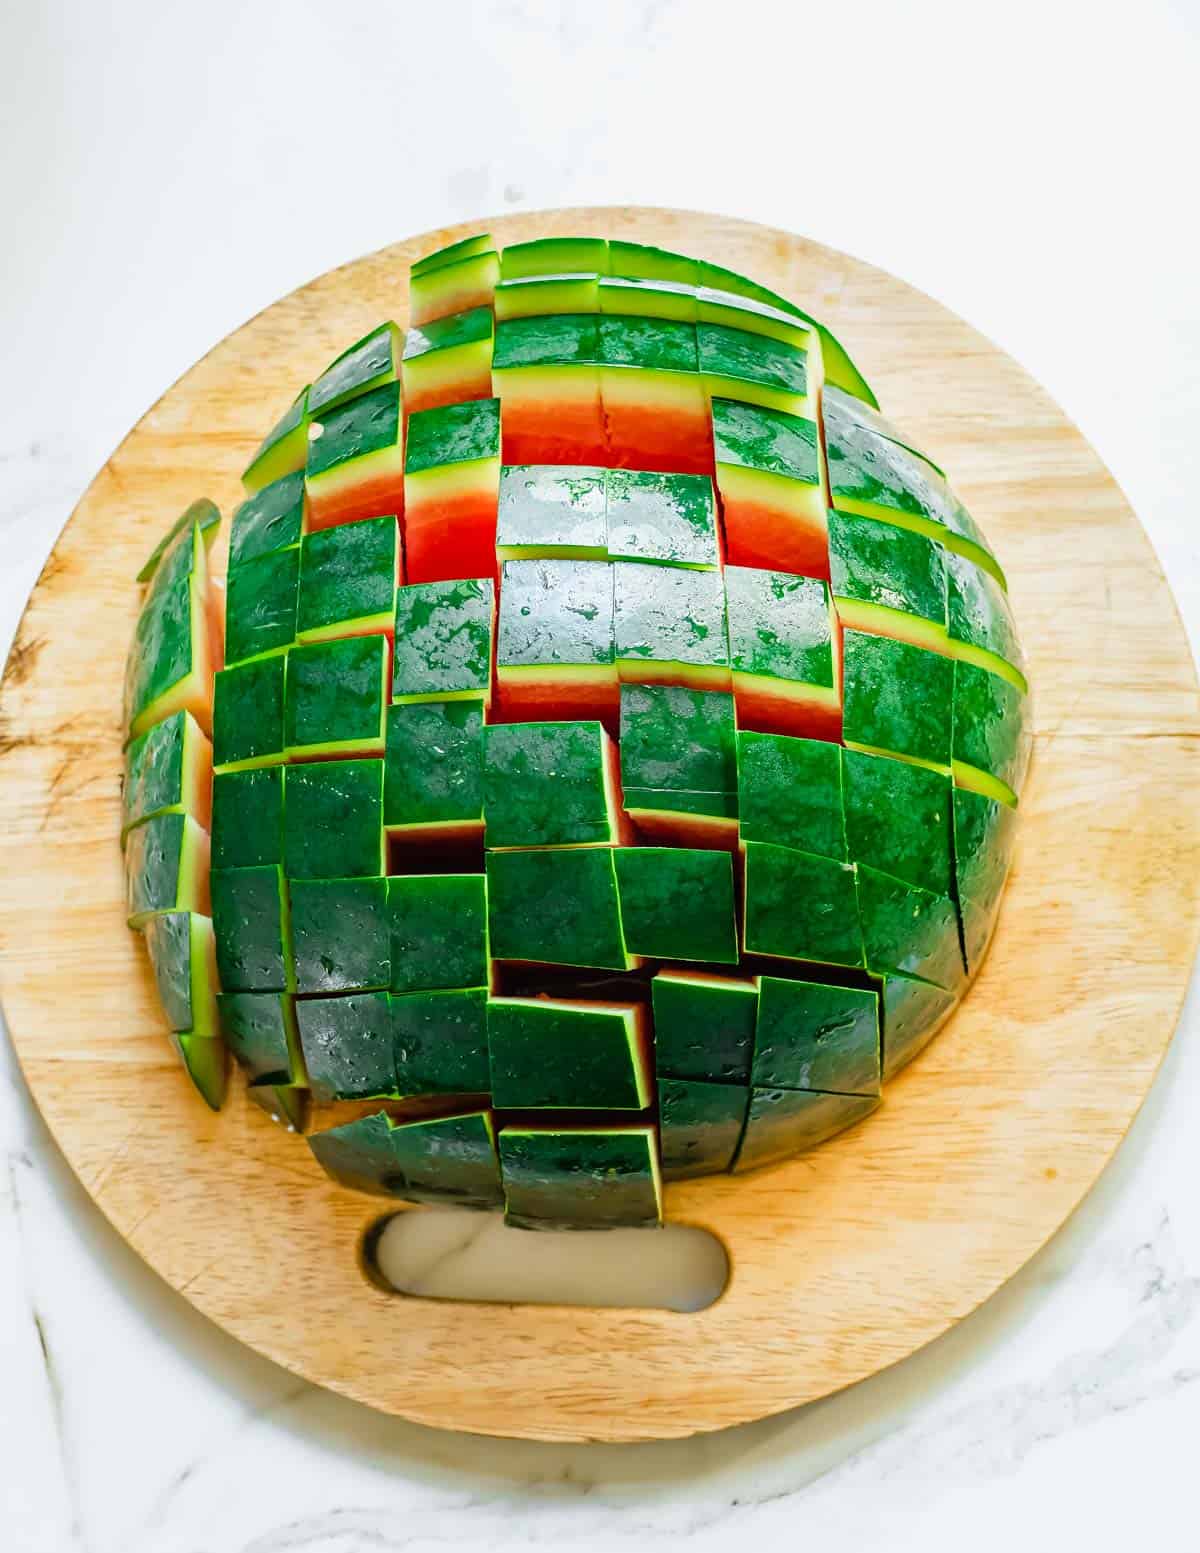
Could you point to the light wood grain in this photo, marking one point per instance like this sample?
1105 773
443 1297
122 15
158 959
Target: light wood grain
843 1261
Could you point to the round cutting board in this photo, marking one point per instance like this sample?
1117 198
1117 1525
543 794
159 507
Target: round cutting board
843 1261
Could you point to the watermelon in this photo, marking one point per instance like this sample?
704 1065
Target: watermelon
603 764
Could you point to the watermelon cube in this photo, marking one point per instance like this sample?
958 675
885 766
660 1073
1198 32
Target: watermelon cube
260 610
248 714
552 510
206 1060
898 699
800 907
555 256
556 906
347 1046
790 793
369 363
337 697
753 368
580 1177
671 518
541 296
684 819
183 954
548 1053
348 580
272 519
252 923
355 466
449 361
439 1041
624 297
898 819
677 903
785 651
704 1025
768 471
992 738
438 926
783 1122
550 785
450 1160
283 450
655 411
715 306
434 784
981 624
166 868
555 649
260 1030
813 1036
913 1013
443 648
887 580
909 931
642 261
678 767
984 832
700 1126
546 373
451 488
333 820
203 514
669 625
340 935
177 643
456 283
168 770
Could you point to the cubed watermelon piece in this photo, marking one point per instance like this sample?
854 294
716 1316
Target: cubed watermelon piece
700 1126
549 785
557 1053
348 580
541 296
347 1046
441 258
581 1177
166 868
552 510
555 650
556 906
176 645
670 626
768 471
784 649
355 465
898 699
909 931
790 793
670 518
642 261
444 641
981 624
252 922
715 306
992 737
337 697
439 1040
202 514
783 1122
333 820
555 256
753 368
546 374
453 287
272 519
449 361
438 926
207 1062
340 935
283 450
913 1013
434 784
287 1104
888 581
898 819
450 1160
247 815
624 297
183 954
368 363
452 486
261 1032
248 714
168 770
984 833
704 1025
814 1036
677 903
260 615
684 819
656 412
841 407
678 740
800 907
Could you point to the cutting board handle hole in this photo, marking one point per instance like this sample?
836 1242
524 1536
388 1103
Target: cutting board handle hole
454 1254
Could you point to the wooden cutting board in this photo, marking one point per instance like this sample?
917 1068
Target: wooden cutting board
843 1261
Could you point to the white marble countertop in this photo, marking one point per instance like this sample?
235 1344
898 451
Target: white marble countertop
166 171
